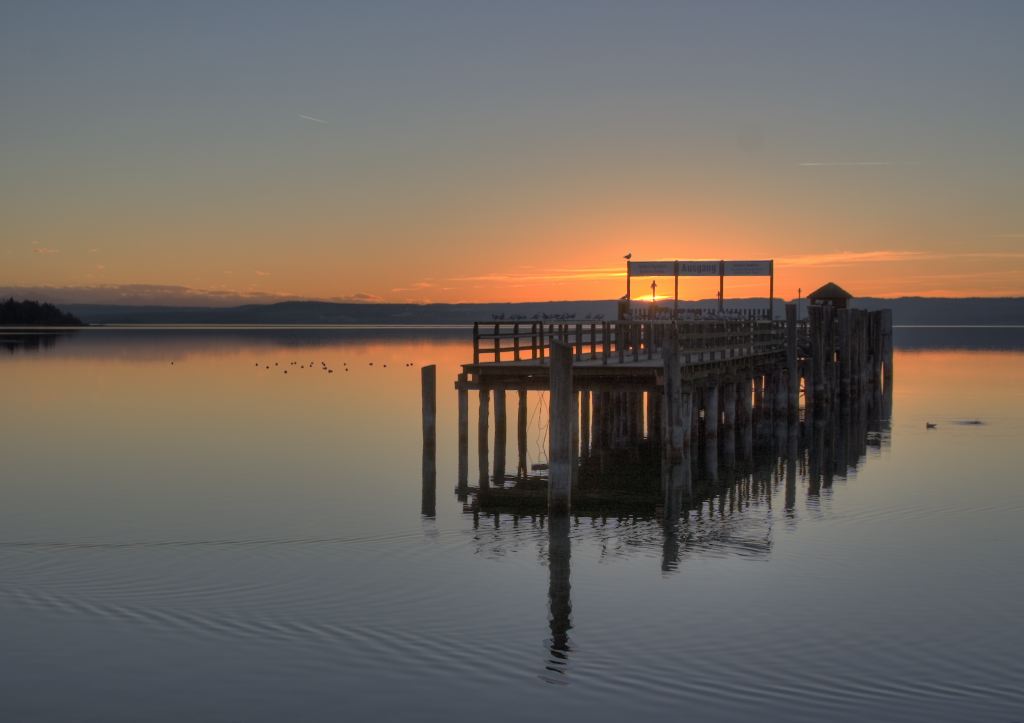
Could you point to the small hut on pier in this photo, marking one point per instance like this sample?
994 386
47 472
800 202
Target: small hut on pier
830 294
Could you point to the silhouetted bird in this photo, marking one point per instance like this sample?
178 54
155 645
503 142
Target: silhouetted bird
628 256
929 425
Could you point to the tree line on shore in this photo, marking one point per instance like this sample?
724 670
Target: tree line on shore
34 313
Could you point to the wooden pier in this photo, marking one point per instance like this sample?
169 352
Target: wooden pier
686 387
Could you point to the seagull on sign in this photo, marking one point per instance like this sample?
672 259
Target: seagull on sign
628 256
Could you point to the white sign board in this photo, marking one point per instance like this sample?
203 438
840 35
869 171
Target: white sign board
700 268
748 268
652 268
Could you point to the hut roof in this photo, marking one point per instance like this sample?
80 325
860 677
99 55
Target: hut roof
830 291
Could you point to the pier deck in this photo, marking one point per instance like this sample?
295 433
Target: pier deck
685 386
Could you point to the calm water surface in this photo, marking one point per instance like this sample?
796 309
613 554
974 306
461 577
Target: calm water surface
210 539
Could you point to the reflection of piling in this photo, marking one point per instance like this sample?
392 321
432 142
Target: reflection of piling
559 590
792 448
428 379
560 473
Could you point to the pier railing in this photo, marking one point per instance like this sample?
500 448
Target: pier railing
622 342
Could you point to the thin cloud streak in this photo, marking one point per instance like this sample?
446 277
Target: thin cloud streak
311 118
821 164
549 275
847 258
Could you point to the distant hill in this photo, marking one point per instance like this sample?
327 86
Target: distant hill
905 311
928 311
34 313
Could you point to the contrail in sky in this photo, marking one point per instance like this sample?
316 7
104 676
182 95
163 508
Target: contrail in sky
311 118
851 163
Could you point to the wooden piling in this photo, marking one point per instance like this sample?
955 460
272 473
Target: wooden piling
522 420
500 437
729 402
674 432
843 328
585 422
887 346
792 370
711 412
463 395
428 384
560 428
481 438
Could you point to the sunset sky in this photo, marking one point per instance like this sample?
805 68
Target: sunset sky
486 151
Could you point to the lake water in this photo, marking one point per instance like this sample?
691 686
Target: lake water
187 534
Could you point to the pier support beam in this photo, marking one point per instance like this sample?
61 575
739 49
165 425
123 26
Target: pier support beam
711 412
886 321
676 418
522 419
561 409
585 422
674 433
428 384
500 437
481 438
729 402
463 394
792 370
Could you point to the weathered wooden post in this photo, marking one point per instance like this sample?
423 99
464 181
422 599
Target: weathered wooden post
575 439
792 370
676 417
746 401
729 402
687 414
585 422
428 384
481 437
522 442
844 353
561 409
887 347
747 417
711 412
780 396
463 395
500 437
827 353
673 434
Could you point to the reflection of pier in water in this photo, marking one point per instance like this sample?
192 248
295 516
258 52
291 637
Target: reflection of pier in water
698 452
724 479
622 505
